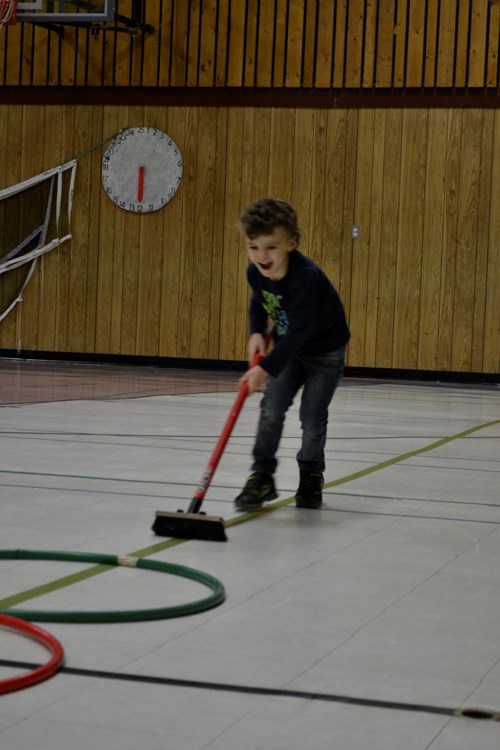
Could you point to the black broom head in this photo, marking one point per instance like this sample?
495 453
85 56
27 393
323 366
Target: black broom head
190 526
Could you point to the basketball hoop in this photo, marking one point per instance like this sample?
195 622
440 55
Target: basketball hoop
8 12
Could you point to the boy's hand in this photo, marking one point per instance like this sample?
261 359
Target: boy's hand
255 377
256 345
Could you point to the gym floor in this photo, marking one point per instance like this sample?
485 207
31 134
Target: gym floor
373 622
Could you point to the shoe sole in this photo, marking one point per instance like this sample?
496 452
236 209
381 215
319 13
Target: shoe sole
242 505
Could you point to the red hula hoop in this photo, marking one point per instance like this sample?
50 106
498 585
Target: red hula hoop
40 673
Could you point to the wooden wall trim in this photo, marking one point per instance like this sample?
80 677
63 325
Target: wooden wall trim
266 44
296 98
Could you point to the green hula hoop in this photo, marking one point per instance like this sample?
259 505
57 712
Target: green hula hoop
215 598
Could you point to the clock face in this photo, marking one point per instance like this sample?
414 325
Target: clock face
141 169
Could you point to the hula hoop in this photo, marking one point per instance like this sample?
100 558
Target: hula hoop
217 597
40 673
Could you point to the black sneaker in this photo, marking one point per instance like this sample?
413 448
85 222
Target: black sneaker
310 488
258 489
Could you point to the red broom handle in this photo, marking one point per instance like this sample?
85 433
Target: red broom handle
224 437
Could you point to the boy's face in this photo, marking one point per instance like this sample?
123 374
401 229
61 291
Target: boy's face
270 252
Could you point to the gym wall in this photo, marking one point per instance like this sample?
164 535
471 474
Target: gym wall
383 115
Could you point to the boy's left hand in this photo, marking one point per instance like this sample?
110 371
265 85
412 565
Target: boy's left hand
255 377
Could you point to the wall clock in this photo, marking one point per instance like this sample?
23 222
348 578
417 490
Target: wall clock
141 169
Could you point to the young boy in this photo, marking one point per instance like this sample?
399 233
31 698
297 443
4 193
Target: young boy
310 336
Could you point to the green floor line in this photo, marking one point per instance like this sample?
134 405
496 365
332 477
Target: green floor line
153 549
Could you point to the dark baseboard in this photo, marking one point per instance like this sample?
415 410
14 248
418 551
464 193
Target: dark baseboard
371 373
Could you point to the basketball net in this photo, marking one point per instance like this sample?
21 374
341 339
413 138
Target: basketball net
7 12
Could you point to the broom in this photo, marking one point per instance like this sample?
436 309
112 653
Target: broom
194 524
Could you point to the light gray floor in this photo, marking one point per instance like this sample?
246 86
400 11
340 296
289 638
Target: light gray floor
366 624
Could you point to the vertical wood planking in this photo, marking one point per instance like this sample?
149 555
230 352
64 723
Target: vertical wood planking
203 247
446 43
180 23
374 264
345 286
104 286
485 207
207 43
461 44
361 305
432 17
85 205
155 42
188 255
393 143
478 48
232 243
465 278
302 186
236 45
246 188
432 245
173 243
295 43
400 44
193 42
56 264
12 172
449 245
310 35
369 45
280 42
415 44
385 43
354 43
322 244
491 361
33 131
326 47
410 235
291 43
265 45
493 49
250 44
221 53
420 286
164 36
218 220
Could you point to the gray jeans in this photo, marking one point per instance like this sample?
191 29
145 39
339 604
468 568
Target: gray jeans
320 376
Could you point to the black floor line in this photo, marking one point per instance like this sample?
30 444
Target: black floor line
245 689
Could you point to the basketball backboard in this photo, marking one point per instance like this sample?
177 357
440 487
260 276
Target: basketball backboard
61 11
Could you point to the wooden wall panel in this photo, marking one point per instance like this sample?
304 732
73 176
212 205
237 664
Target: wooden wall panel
390 219
491 330
420 285
432 243
278 43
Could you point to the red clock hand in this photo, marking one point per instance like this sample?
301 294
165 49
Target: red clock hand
140 185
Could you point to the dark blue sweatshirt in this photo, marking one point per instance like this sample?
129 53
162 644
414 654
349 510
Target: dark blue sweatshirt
305 308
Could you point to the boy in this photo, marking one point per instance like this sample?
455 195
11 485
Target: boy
310 336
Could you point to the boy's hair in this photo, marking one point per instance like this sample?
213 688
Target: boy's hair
263 216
